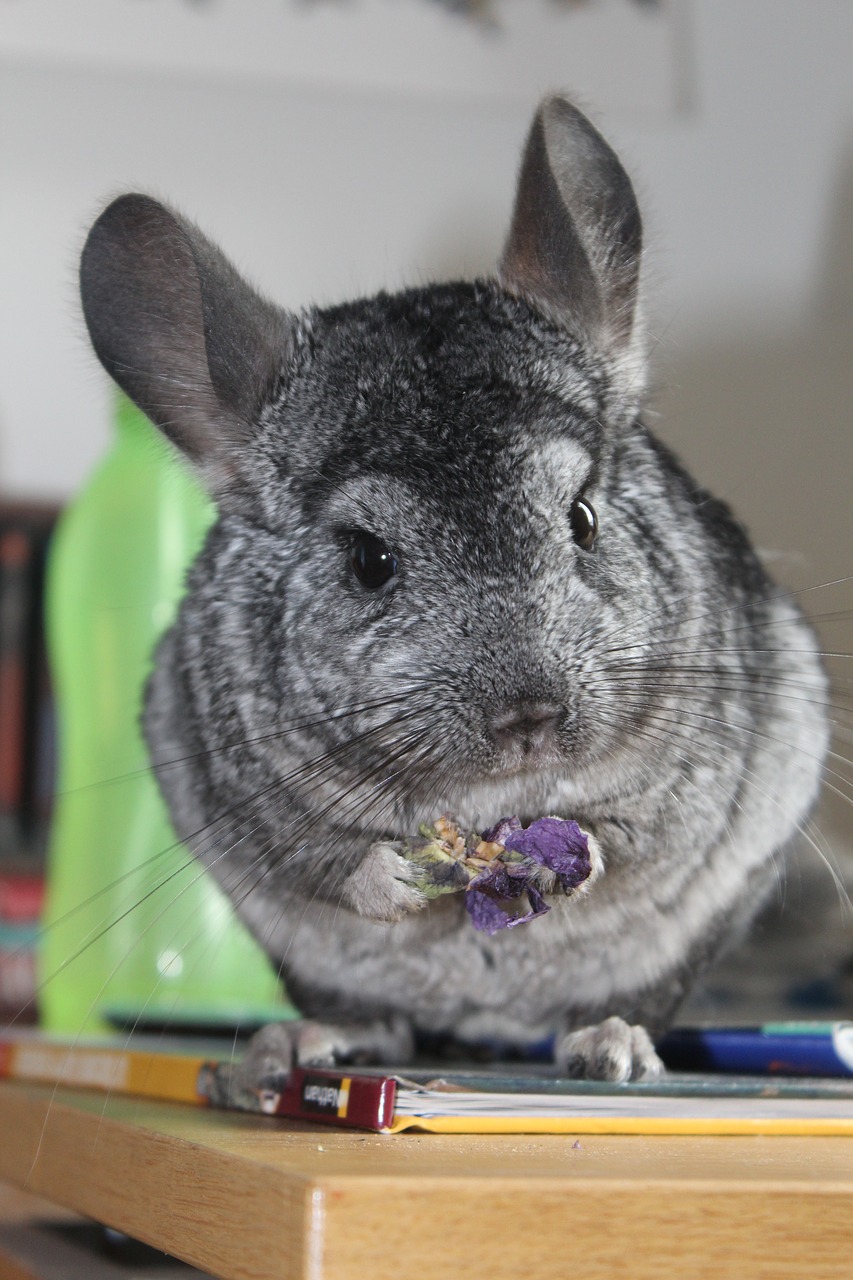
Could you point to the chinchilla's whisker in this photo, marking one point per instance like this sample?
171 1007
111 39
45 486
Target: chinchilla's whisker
725 682
112 919
200 872
97 932
193 836
297 726
247 881
385 773
673 624
837 715
691 693
667 659
755 625
650 647
392 776
722 680
735 731
674 731
842 732
716 611
339 806
367 804
138 869
94 935
316 768
320 773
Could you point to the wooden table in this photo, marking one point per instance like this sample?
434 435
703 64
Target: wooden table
246 1196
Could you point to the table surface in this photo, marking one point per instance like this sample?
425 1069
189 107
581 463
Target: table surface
257 1197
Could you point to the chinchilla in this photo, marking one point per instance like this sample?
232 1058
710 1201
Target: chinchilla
454 572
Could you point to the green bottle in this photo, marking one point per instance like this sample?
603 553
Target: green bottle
134 928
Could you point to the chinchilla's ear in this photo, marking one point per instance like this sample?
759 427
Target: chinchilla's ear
180 331
573 249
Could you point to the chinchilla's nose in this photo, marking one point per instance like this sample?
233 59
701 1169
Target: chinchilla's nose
532 724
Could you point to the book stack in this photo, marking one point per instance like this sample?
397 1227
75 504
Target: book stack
27 733
21 901
27 749
475 1100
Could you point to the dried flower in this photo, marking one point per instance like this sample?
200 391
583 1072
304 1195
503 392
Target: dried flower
502 870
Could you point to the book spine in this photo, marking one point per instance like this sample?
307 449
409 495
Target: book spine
16 555
21 897
165 1076
40 742
26 700
21 900
18 980
334 1097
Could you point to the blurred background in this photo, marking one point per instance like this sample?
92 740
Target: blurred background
334 147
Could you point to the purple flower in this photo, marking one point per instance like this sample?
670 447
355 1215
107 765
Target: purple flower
557 844
493 898
487 914
497 898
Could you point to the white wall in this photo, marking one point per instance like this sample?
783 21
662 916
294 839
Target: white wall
320 193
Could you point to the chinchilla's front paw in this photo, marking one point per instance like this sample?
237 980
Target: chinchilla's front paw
258 1079
382 886
611 1050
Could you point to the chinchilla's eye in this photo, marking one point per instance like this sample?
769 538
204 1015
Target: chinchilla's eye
372 562
584 523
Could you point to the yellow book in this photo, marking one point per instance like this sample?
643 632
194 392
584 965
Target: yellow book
144 1068
478 1101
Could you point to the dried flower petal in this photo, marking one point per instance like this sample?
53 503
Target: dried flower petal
497 899
504 881
490 911
557 844
487 914
502 828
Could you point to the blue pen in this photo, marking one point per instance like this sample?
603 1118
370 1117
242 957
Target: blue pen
777 1048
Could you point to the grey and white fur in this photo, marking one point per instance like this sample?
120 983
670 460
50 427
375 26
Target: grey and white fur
570 625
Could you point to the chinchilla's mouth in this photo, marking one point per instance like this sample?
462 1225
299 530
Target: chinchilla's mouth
529 795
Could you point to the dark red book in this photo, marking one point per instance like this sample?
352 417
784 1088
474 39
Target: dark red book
336 1097
17 555
21 897
26 717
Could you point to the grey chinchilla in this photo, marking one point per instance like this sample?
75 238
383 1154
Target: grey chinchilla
453 572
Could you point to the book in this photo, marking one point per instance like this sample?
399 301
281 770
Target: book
21 903
21 896
776 1048
16 568
26 701
465 1102
18 977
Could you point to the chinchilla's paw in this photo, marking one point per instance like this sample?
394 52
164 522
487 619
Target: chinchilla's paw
382 886
260 1077
611 1050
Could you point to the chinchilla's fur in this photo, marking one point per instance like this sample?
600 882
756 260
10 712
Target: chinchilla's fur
649 682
